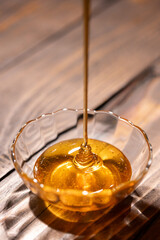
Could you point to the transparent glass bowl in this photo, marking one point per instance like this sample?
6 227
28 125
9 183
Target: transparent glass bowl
38 134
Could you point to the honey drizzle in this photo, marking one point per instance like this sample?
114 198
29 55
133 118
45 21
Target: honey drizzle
86 7
96 167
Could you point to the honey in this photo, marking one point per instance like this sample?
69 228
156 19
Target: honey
83 166
58 168
62 168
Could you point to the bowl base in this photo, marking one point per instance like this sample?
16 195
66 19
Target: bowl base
76 216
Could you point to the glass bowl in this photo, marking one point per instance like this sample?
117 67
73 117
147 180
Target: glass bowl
40 133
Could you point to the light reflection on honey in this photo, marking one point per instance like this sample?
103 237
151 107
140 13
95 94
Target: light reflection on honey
55 168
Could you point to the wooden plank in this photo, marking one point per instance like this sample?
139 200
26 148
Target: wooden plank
39 83
153 231
123 221
28 23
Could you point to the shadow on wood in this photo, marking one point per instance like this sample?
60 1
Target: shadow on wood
82 230
122 222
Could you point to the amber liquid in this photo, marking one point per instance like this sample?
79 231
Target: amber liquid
83 190
82 165
56 167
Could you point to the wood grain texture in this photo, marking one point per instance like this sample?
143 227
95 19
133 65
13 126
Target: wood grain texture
13 88
125 220
120 49
124 74
26 24
151 232
138 98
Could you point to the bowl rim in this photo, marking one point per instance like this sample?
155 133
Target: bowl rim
45 188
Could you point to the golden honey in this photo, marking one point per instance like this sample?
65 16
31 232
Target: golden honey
83 166
58 166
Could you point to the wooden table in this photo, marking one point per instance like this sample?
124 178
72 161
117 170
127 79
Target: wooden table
41 71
